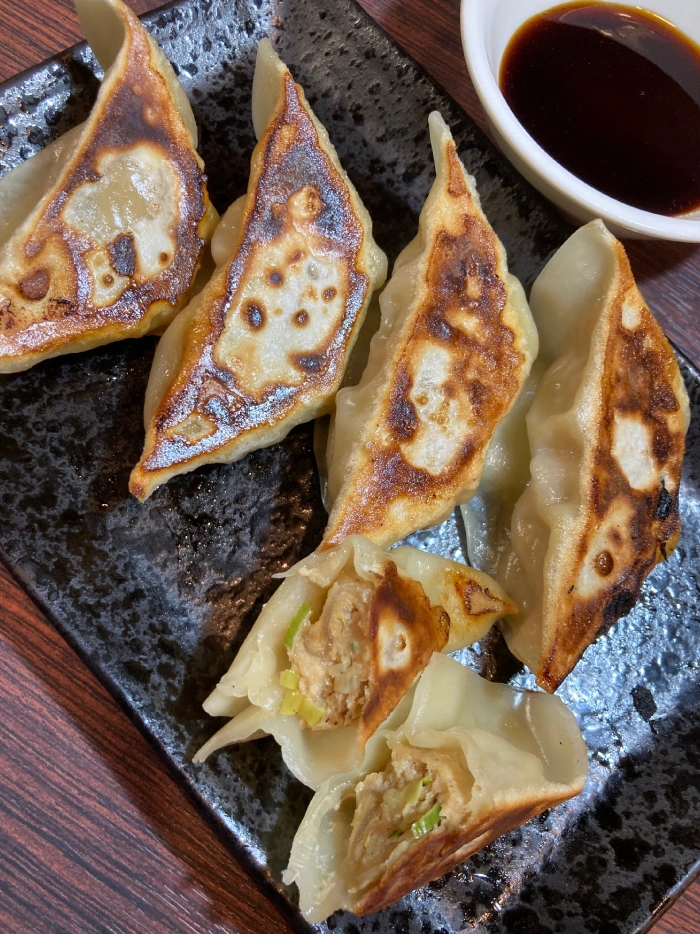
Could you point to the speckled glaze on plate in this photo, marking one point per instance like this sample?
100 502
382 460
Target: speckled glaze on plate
157 598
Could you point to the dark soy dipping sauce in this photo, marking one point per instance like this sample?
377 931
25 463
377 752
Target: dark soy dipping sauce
613 94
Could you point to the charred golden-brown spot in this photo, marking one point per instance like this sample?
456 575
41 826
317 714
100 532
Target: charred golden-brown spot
254 315
457 184
416 459
311 363
75 261
604 563
477 600
402 421
664 505
301 318
641 526
35 285
404 630
329 294
276 278
122 254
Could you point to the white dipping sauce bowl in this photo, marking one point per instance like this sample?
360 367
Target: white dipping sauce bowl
487 28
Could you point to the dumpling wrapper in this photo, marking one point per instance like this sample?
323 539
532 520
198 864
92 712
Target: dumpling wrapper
487 515
376 619
606 436
102 233
264 346
489 756
454 347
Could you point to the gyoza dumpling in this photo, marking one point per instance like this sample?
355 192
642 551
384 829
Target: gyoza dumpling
472 761
102 233
606 440
265 345
340 644
454 348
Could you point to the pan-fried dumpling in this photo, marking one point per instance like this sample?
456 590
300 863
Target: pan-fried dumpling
606 438
472 761
264 346
339 646
102 233
454 348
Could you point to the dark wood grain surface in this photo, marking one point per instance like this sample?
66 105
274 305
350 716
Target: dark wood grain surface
95 836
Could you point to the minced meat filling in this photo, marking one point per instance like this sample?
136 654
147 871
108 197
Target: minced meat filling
333 656
391 807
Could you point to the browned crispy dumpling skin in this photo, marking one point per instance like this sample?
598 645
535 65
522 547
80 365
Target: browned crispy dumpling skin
403 631
264 346
455 345
607 437
440 853
102 234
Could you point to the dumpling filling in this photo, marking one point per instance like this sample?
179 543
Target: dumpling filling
332 657
356 657
420 792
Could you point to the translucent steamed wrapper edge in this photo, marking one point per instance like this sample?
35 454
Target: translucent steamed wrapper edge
487 517
602 452
414 597
497 755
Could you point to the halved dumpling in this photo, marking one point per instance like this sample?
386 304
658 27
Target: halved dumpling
340 645
453 350
471 761
606 436
360 657
102 233
264 346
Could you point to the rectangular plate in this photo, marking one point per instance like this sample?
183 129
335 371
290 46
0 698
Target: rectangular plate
157 598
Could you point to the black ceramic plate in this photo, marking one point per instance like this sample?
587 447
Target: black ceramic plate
157 598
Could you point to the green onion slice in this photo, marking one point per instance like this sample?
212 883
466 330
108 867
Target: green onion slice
289 679
291 702
426 823
299 617
311 712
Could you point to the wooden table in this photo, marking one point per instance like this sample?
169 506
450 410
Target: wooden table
95 836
